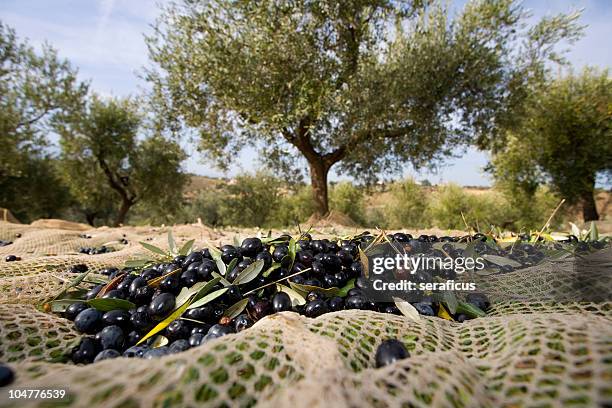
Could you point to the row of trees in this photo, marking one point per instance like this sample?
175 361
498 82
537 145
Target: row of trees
364 86
110 156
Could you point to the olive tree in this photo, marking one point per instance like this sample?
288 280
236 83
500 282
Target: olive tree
564 139
35 87
110 166
368 86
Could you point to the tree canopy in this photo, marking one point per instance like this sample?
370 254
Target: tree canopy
110 165
564 138
368 86
35 87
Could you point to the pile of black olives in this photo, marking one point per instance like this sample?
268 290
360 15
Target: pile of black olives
318 263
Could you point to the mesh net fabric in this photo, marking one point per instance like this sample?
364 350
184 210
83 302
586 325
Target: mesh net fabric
525 353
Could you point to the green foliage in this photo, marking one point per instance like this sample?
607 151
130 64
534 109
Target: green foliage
35 87
295 206
207 207
108 168
349 200
479 210
369 85
407 206
564 139
250 200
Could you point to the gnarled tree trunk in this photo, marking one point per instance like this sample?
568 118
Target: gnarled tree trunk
318 179
589 208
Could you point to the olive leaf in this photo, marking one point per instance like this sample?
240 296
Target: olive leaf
470 250
296 298
444 314
208 298
60 306
108 304
156 281
406 309
171 242
207 287
164 323
186 247
159 341
249 273
470 310
232 264
575 230
237 242
305 289
271 269
345 289
153 248
186 292
365 266
215 253
450 300
234 310
501 261
111 285
74 283
292 248
223 281
136 263
594 234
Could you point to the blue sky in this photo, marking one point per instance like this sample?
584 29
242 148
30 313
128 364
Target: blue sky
104 39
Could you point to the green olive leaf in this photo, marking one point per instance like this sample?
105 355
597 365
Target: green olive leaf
153 248
594 234
223 281
305 289
296 298
234 310
470 310
232 264
450 300
60 306
345 289
501 261
207 287
186 248
271 269
249 273
164 323
208 298
108 304
136 263
171 242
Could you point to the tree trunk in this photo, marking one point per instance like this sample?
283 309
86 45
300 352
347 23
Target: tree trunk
125 207
91 218
318 179
589 209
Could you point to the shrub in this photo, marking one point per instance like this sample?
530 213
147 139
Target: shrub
251 200
479 210
407 206
295 207
348 199
208 207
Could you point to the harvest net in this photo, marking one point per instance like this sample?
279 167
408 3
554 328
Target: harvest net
531 352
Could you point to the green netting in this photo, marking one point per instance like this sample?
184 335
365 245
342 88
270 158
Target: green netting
529 353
